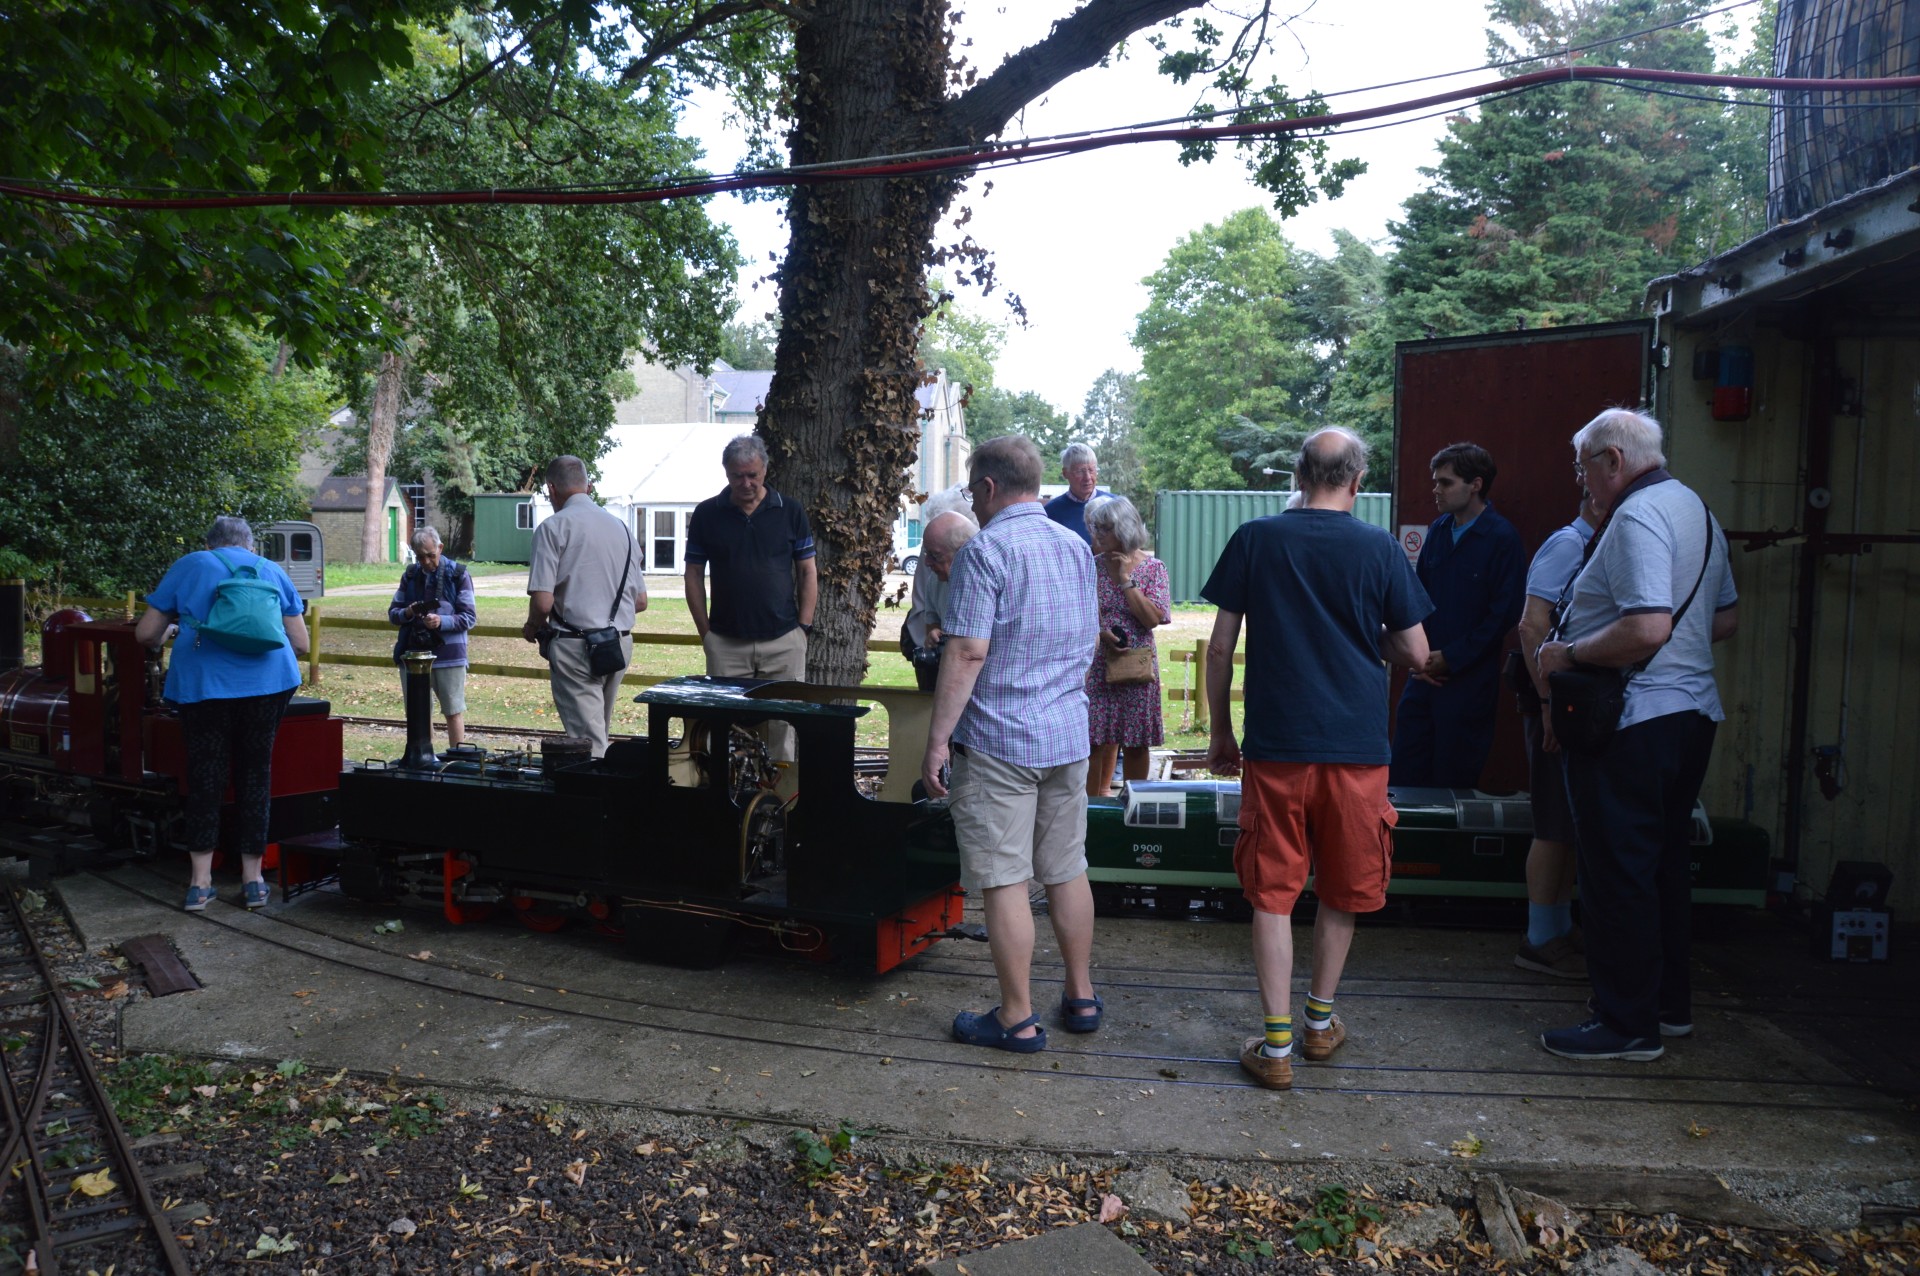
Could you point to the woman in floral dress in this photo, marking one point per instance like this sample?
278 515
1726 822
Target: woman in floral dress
1135 598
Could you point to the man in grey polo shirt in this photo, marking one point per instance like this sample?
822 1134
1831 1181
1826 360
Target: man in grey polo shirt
586 574
1010 708
1661 553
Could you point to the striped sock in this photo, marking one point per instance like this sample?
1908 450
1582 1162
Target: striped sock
1319 1012
1279 1037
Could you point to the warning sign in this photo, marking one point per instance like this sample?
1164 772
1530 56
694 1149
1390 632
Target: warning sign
1412 537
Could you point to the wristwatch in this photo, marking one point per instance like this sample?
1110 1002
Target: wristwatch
806 628
1570 656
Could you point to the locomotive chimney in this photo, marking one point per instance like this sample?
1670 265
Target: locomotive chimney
419 711
13 624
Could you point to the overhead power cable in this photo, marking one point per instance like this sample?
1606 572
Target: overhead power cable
957 159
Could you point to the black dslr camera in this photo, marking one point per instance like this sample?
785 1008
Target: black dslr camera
926 657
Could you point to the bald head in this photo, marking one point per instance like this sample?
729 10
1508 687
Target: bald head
942 540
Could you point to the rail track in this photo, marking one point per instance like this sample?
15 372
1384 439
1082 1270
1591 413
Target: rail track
72 1194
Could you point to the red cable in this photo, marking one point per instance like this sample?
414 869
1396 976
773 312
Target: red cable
980 157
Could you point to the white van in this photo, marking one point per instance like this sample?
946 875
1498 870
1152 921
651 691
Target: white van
298 550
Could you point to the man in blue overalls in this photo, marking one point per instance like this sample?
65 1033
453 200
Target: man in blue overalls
1474 571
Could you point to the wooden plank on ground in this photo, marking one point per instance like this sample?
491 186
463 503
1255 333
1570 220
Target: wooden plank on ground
161 965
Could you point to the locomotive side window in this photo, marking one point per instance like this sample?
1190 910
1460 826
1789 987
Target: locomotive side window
1227 806
1169 813
302 547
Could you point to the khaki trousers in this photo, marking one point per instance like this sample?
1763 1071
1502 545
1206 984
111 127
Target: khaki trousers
583 698
782 659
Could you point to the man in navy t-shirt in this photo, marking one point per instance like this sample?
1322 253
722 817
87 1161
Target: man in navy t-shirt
1326 598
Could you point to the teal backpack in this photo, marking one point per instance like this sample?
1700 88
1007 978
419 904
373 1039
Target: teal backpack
245 616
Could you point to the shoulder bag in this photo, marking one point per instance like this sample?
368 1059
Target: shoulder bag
245 615
604 653
1587 701
1129 666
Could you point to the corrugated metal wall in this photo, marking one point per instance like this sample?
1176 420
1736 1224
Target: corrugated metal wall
1865 692
1191 528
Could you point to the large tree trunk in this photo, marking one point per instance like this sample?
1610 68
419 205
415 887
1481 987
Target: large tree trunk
841 422
383 416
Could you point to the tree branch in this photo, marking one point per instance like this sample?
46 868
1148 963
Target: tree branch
665 44
1077 42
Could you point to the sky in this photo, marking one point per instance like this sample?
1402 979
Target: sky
1075 237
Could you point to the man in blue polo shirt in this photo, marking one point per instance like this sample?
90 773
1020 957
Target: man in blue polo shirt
765 583
1473 569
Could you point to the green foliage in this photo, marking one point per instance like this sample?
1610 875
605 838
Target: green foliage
815 1159
105 491
147 95
1247 1246
1336 1219
1558 205
749 345
1108 423
1221 338
965 345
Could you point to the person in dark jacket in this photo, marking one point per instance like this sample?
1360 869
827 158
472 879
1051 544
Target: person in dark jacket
434 609
1473 569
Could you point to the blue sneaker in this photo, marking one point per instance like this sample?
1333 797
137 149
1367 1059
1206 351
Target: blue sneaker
255 894
198 897
1594 1040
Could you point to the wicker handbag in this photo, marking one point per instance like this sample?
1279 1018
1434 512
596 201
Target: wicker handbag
1129 666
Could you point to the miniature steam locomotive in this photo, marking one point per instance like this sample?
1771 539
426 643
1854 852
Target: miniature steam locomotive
681 840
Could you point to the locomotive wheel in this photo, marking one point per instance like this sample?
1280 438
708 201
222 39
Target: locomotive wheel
537 917
673 937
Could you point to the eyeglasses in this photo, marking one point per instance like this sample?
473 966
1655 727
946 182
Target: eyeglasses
1580 466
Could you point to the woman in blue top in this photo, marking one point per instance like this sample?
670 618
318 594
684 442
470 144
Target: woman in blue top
229 703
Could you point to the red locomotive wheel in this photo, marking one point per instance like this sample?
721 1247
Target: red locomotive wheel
535 916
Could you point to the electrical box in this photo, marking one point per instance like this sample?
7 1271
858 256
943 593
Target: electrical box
1857 934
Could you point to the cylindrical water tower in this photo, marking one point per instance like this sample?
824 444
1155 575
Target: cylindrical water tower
1823 146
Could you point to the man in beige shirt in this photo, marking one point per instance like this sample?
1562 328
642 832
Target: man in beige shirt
586 574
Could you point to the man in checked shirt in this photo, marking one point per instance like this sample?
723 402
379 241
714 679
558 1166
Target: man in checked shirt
1010 708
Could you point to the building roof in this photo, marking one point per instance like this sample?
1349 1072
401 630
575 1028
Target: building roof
348 492
746 390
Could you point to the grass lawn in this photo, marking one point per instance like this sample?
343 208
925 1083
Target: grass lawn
525 702
343 575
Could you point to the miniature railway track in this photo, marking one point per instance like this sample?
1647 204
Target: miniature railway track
1546 1083
866 760
72 1197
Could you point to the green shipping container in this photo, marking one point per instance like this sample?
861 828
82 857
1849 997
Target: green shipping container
503 527
1191 528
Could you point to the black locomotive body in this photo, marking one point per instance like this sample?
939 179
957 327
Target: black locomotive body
678 839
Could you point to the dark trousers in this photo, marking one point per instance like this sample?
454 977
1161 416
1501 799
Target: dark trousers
1442 735
231 740
1633 826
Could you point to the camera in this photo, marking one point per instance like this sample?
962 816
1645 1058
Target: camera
419 609
926 657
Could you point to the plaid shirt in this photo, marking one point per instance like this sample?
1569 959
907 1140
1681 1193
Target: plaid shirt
1025 584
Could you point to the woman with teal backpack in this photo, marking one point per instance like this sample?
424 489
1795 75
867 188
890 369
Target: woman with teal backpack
233 669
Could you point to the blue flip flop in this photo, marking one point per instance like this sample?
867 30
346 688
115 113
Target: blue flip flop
984 1029
1082 1023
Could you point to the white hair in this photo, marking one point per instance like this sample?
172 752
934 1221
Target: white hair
423 536
1076 454
1116 516
230 531
1637 435
948 500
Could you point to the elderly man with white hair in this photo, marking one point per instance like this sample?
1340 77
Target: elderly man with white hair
1081 468
951 510
1656 594
434 608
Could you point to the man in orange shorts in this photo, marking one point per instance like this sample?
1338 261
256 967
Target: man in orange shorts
1326 599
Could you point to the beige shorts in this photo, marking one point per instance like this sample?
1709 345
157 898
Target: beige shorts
449 688
1018 822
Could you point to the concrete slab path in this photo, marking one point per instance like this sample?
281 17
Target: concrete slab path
1442 1063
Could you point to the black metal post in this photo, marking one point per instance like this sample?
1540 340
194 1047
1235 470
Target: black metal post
420 755
13 624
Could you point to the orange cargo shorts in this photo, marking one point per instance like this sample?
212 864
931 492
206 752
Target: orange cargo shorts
1331 819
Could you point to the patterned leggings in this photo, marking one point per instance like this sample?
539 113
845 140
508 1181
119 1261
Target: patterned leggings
230 739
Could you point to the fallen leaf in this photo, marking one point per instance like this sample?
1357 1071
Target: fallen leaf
1111 1207
206 1091
96 1184
577 1173
423 955
1470 1146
